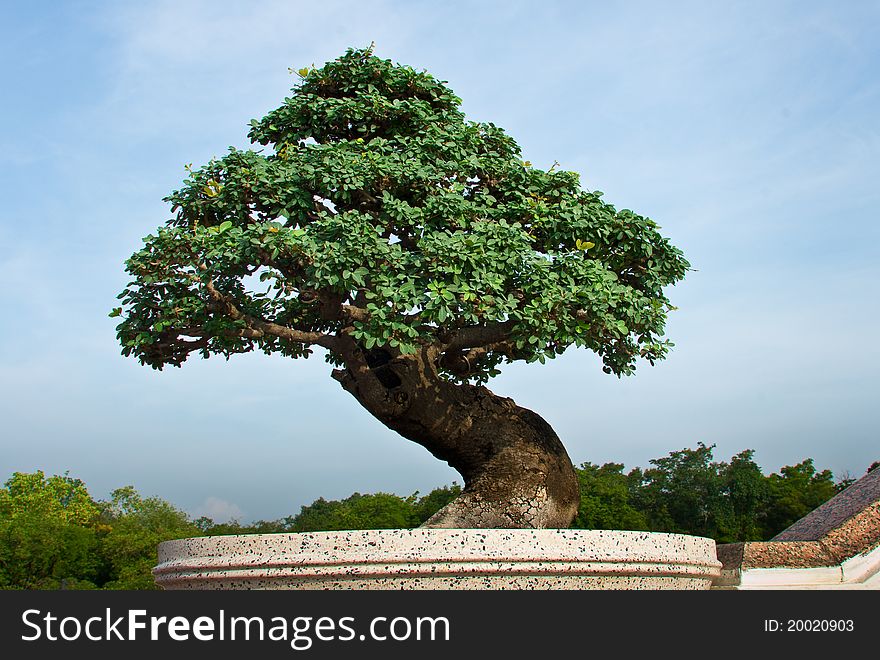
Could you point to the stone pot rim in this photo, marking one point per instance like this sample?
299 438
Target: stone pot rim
437 558
392 546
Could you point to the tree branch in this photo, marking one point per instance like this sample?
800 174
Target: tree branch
355 313
332 307
463 362
261 327
359 379
479 335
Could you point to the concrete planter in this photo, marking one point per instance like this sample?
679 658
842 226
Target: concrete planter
440 559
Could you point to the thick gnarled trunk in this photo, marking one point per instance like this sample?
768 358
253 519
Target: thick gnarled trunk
516 472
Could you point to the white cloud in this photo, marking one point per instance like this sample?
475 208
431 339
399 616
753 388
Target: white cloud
218 510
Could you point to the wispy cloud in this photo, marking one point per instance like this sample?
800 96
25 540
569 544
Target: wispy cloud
218 510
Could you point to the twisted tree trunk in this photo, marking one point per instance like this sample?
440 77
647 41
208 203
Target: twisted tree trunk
516 472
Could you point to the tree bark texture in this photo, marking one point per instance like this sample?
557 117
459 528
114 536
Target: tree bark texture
516 472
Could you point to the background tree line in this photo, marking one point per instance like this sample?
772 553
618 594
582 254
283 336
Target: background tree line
54 535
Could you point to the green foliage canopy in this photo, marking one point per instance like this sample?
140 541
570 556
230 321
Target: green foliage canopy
49 533
136 526
795 491
53 535
377 211
688 492
606 494
373 511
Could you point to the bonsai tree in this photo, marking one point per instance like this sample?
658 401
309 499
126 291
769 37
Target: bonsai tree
420 253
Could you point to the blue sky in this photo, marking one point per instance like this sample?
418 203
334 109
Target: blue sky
749 131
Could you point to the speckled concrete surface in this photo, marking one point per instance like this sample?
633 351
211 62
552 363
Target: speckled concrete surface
440 559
